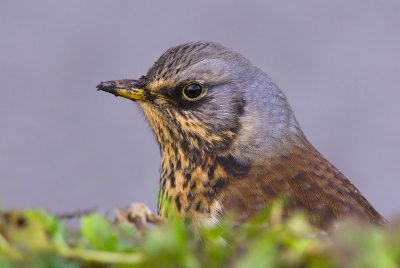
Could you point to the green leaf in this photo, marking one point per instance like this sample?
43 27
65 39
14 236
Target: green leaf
97 230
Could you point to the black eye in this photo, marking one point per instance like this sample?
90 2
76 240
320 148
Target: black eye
192 91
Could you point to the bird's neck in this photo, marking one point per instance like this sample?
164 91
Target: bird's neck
268 127
191 184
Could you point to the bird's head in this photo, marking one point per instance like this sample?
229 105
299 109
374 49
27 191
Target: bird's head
205 99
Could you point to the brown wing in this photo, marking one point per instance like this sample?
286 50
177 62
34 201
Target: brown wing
308 181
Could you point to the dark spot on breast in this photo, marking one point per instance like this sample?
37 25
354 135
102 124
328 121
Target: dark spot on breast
172 181
197 206
211 172
178 203
189 197
188 176
218 183
198 139
184 143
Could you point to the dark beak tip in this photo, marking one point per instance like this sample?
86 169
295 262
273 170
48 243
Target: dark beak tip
106 86
99 86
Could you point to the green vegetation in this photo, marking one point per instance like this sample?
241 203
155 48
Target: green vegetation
34 238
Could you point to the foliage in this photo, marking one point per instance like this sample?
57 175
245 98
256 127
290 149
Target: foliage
35 238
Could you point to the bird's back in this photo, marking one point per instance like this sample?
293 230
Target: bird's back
307 181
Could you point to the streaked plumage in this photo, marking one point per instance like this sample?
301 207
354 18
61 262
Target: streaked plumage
236 146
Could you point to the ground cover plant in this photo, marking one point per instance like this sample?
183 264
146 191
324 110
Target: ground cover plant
36 238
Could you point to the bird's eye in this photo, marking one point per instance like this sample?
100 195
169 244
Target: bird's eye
193 91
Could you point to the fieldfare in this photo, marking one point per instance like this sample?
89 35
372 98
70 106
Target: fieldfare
229 141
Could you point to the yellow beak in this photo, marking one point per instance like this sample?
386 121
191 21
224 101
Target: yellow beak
129 89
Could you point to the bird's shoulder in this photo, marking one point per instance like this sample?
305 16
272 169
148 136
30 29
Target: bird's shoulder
307 181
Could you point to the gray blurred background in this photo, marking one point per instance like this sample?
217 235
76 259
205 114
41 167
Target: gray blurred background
66 147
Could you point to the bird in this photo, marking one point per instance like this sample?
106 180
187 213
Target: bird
230 143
